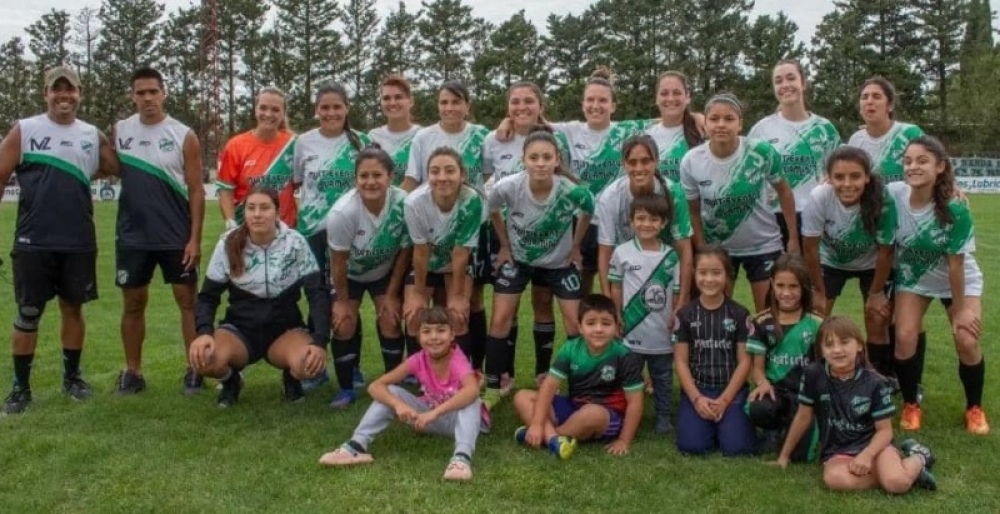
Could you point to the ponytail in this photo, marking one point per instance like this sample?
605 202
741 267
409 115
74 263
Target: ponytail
692 134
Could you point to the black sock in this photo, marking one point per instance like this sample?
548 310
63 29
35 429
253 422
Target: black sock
496 360
892 344
412 344
545 334
465 344
880 357
71 362
921 354
512 343
358 337
973 378
22 370
392 351
908 371
345 353
477 330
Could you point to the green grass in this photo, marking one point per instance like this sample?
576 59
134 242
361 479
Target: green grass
162 452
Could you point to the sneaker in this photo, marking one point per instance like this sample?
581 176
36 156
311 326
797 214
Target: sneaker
129 383
911 447
230 393
975 421
663 425
346 455
358 379
491 397
293 391
506 385
562 446
520 434
344 399
311 384
459 469
193 383
17 400
76 388
910 420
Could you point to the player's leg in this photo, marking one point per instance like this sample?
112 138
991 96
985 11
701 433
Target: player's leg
735 431
971 369
133 273
232 352
897 475
837 475
389 323
695 435
288 353
510 283
76 285
34 286
543 331
184 285
345 347
759 275
909 313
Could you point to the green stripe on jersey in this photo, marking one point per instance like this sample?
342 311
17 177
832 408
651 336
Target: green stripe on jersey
737 199
386 242
466 221
148 168
889 162
544 234
804 156
57 163
636 310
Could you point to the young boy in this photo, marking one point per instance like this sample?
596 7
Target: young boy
605 389
450 405
644 276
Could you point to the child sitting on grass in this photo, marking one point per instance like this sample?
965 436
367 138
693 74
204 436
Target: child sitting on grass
605 389
450 405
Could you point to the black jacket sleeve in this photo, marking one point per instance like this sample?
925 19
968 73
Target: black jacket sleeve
318 295
206 306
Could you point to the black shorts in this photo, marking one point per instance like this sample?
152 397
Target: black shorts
257 342
434 280
481 261
40 276
758 266
780 218
589 249
565 283
356 290
835 278
134 267
321 251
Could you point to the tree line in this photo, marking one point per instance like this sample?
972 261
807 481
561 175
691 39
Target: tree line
940 54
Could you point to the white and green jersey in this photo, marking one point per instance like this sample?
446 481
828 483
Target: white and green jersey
468 143
649 279
844 243
540 232
503 159
397 145
886 152
596 155
373 239
732 191
443 231
923 246
672 146
324 168
804 147
612 213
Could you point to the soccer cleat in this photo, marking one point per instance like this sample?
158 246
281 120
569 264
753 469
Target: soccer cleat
193 383
129 383
230 393
562 446
910 420
18 400
975 421
358 380
926 480
316 382
911 447
76 388
520 434
491 397
293 392
344 399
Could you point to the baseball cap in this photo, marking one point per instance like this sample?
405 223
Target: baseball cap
61 72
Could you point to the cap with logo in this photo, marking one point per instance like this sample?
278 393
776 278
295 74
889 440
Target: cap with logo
61 72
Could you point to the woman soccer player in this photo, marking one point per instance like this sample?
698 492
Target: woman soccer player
396 136
679 129
882 137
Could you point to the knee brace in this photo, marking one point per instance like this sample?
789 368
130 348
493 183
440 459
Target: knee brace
28 318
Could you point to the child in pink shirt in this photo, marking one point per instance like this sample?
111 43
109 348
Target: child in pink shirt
449 407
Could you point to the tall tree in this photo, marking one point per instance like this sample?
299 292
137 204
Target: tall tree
445 29
716 33
942 23
360 23
570 48
395 49
976 103
15 72
180 41
86 30
242 51
771 39
49 42
513 55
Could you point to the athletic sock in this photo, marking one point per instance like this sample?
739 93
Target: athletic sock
22 370
359 337
477 330
412 344
972 378
71 362
496 360
921 354
880 358
544 334
908 372
392 351
465 344
345 353
512 345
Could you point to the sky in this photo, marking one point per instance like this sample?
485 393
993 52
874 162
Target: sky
15 15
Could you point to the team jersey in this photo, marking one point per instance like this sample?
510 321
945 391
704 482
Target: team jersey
846 410
596 155
787 354
844 243
713 337
672 146
733 194
266 295
503 159
443 231
612 213
468 143
324 168
247 161
55 211
648 280
886 151
397 145
601 379
804 147
923 245
540 232
153 210
373 240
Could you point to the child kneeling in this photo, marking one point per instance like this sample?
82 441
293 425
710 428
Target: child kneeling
450 405
605 389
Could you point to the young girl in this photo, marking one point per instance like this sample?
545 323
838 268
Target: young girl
644 276
934 245
853 408
678 130
803 139
370 251
848 230
780 348
449 407
710 358
537 244
726 182
443 218
882 137
396 136
613 216
264 265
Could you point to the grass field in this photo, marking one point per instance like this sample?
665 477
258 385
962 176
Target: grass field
162 452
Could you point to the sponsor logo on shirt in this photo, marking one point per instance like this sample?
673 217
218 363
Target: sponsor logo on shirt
167 145
125 144
607 373
361 232
773 140
705 183
580 146
517 214
506 157
144 143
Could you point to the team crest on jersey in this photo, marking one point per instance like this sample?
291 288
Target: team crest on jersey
607 373
655 297
167 145
729 325
87 146
861 405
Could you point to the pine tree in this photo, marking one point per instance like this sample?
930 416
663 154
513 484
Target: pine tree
180 42
772 38
86 31
360 21
49 43
15 73
570 48
445 29
942 24
242 50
